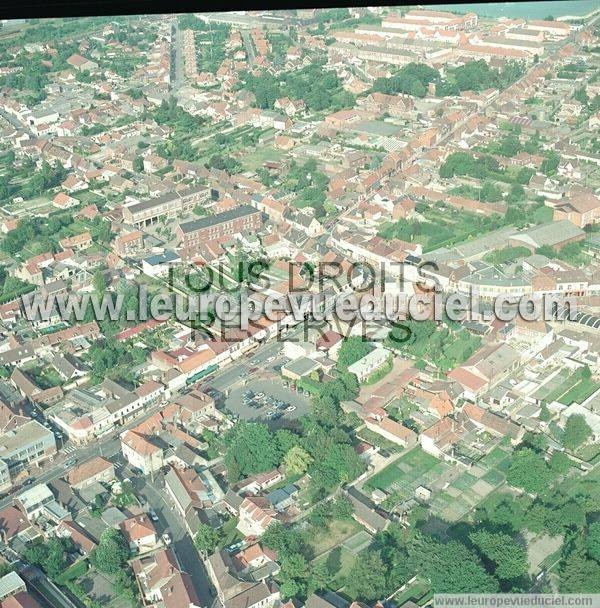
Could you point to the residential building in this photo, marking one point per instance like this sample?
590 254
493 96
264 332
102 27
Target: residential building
192 236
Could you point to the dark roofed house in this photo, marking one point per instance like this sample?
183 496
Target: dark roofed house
193 236
365 513
234 592
281 498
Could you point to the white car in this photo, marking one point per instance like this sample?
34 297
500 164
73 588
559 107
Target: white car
166 539
290 408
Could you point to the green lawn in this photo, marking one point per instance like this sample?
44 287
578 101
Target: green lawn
414 593
77 570
590 453
408 468
564 387
542 215
338 562
377 440
588 484
551 390
580 391
256 158
336 534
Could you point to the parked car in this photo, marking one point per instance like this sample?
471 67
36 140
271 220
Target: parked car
152 514
166 539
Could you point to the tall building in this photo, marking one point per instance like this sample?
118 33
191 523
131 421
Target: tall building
24 446
148 212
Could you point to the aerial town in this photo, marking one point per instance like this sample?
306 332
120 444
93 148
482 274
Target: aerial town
148 461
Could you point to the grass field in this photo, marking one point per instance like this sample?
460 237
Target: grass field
260 155
409 467
338 561
579 392
590 483
568 387
77 570
355 544
336 534
590 453
377 440
415 592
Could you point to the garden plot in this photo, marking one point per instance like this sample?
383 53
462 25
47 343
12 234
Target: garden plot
357 543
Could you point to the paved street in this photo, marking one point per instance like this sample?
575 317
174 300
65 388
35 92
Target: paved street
249 46
154 493
177 56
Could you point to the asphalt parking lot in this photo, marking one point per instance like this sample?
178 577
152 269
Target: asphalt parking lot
274 388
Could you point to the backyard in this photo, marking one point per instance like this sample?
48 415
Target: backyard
455 491
568 387
340 559
337 532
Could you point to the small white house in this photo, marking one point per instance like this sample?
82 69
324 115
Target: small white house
158 265
370 363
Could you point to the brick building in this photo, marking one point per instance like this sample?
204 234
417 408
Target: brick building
214 229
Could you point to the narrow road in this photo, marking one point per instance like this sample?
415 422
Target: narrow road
156 496
15 123
177 58
249 46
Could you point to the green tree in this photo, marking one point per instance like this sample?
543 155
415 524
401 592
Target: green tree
509 557
341 508
505 511
366 579
297 460
320 516
286 440
320 577
592 541
340 465
326 410
112 552
352 350
285 540
207 538
99 282
536 441
560 463
578 574
577 431
528 470
450 567
50 556
250 449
